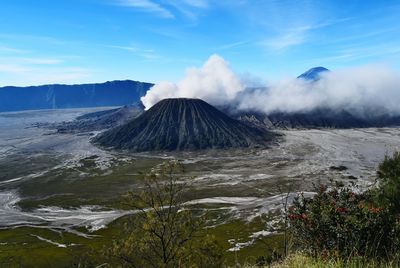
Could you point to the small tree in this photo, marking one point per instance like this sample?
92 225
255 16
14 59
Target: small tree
388 178
163 232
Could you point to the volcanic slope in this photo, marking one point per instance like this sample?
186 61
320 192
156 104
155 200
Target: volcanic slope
183 124
100 120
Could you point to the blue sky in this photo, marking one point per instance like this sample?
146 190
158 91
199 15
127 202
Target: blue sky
76 41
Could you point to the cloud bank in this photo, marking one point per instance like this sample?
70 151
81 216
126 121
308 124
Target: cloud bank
358 90
366 89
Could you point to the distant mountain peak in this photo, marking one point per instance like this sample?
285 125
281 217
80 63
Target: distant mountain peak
313 74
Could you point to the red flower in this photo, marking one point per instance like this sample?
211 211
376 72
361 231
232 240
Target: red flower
375 210
298 216
341 210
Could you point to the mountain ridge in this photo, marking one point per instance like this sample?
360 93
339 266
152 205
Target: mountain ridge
55 96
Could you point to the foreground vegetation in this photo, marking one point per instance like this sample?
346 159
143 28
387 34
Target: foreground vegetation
300 260
22 247
164 232
341 226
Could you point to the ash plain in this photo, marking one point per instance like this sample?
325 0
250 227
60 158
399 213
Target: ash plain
63 183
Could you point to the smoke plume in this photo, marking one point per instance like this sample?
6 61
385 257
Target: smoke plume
358 90
214 82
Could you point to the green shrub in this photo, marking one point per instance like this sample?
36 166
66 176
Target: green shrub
341 222
388 178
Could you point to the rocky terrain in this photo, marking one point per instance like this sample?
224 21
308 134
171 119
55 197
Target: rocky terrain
95 121
318 118
100 120
58 192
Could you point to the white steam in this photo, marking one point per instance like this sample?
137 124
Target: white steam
358 90
363 89
214 82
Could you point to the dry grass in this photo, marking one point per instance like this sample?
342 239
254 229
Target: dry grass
299 261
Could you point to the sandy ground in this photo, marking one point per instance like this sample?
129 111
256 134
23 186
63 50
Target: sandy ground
243 180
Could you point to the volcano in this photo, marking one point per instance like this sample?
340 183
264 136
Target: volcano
183 124
314 74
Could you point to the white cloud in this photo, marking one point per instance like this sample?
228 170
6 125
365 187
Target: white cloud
13 68
145 53
232 45
148 6
37 61
20 65
197 3
21 76
367 88
6 49
41 71
361 90
214 82
191 9
127 48
292 37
